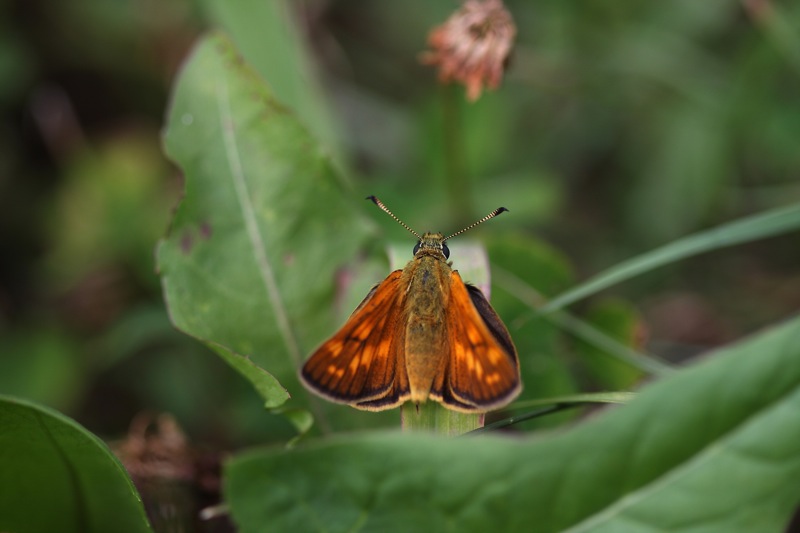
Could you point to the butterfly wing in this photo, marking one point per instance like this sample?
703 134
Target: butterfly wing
363 364
482 370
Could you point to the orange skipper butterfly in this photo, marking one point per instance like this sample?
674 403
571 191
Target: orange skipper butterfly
420 334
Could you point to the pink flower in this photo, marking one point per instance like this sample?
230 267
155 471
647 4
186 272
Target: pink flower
473 45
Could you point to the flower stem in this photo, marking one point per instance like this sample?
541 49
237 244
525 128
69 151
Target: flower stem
458 186
432 417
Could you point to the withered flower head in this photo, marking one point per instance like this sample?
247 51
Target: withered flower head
472 46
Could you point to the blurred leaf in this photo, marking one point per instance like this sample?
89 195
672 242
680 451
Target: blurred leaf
41 364
715 447
540 344
777 22
301 419
267 35
760 226
619 320
688 170
540 265
133 332
267 386
56 476
17 63
255 247
112 208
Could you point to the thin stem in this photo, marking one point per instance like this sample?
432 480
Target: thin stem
432 417
458 186
527 416
560 403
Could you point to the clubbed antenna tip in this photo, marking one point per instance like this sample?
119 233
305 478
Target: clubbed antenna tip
376 201
481 221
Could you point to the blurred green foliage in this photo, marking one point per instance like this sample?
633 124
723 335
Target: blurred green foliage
619 127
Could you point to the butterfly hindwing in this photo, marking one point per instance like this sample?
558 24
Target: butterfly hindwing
492 321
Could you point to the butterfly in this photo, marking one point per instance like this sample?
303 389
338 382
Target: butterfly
421 334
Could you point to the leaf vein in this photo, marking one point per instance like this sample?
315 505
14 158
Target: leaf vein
244 199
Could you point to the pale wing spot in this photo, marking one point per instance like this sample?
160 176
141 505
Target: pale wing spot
383 347
470 361
334 347
367 327
478 369
362 331
460 354
333 370
366 358
493 378
353 366
474 336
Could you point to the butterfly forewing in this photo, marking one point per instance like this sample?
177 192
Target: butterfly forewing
482 371
359 364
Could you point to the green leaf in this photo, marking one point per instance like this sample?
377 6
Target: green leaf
540 269
252 257
265 384
714 447
690 170
40 364
620 321
773 222
269 38
105 188
56 476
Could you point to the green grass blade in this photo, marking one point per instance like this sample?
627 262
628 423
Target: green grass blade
771 223
579 328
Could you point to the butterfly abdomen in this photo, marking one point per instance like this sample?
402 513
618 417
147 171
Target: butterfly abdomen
426 332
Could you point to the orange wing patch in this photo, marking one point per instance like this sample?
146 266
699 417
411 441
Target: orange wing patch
482 370
363 363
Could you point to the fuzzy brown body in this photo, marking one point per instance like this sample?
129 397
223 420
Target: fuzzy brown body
420 334
428 279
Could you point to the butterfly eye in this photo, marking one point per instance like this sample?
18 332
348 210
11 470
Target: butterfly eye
445 251
416 248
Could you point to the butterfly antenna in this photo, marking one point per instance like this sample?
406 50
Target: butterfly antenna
484 219
384 208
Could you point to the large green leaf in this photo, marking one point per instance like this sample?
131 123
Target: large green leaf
271 40
252 257
56 476
715 447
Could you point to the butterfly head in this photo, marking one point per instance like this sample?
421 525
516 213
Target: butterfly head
432 244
